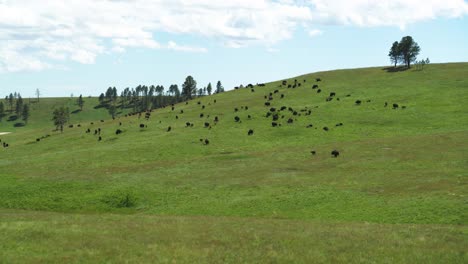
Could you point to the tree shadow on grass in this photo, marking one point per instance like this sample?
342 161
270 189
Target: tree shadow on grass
395 69
19 124
101 106
12 118
76 111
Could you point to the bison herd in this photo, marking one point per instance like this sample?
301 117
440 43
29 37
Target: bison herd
277 114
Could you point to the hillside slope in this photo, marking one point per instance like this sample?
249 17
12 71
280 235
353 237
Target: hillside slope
396 167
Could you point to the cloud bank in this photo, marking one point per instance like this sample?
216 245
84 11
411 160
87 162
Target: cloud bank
37 35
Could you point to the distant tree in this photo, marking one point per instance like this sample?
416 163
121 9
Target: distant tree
159 90
209 89
25 113
176 92
428 61
200 92
189 87
38 93
60 117
394 53
80 102
2 111
219 87
112 110
19 105
101 98
409 50
114 94
109 93
10 101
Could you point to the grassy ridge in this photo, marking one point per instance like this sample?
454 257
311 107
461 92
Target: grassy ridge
396 167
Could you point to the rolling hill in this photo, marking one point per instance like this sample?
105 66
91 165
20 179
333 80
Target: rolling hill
396 193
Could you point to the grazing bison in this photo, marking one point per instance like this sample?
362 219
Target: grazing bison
358 102
118 131
246 108
275 117
252 90
328 99
276 91
313 152
332 94
274 124
203 106
395 106
207 124
290 121
102 121
250 132
315 86
216 119
272 109
339 124
403 107
282 95
176 117
284 82
267 103
70 126
335 153
169 129
319 90
187 124
142 125
172 108
237 119
202 115
181 111
207 141
283 108
289 85
214 101
100 138
325 128
249 117
235 109
318 79
385 105
198 102
38 139
309 126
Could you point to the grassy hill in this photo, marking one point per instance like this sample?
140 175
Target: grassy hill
397 192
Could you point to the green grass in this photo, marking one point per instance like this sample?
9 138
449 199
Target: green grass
397 192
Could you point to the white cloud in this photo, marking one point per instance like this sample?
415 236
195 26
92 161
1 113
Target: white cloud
315 32
36 34
174 46
369 13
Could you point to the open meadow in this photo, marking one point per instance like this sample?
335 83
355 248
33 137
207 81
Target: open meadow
397 192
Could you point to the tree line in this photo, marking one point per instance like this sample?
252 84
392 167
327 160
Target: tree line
142 98
17 106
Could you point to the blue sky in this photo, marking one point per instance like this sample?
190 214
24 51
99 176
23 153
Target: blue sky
85 46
